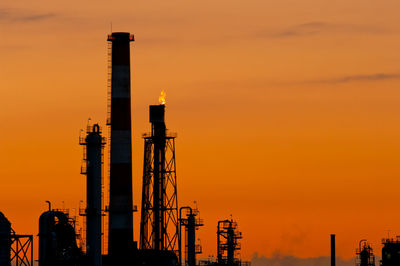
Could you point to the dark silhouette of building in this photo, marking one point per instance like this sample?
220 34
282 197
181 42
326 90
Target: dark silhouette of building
391 252
365 255
5 241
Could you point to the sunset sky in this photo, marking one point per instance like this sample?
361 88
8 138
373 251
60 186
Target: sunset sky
287 112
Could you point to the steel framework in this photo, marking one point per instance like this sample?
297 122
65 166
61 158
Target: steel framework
168 211
21 249
159 227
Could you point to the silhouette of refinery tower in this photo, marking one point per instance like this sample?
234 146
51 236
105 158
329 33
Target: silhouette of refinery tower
120 235
159 227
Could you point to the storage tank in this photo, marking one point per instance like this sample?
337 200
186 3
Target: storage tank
5 240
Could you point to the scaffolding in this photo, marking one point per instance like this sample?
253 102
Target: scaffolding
21 249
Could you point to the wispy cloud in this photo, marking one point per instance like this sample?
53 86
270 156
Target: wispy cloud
320 27
355 78
23 16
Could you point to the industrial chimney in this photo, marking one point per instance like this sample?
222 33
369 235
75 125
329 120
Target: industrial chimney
120 236
333 255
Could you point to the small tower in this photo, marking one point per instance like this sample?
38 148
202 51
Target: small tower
191 223
227 242
365 255
93 156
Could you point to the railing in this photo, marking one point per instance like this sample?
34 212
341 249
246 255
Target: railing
167 134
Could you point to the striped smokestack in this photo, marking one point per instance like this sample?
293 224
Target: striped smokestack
120 236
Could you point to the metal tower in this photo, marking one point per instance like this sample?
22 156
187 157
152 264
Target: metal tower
21 249
365 255
14 249
227 242
120 235
93 157
159 227
191 224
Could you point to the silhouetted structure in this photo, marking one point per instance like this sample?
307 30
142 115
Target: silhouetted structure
391 252
159 218
333 247
227 242
93 156
57 240
160 225
120 235
5 241
21 249
191 224
365 255
14 249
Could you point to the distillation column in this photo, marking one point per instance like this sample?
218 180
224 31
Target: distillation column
227 242
191 224
120 236
94 143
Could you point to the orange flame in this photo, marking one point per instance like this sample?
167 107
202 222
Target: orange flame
161 98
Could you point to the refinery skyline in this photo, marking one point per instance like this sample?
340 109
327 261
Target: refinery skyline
286 113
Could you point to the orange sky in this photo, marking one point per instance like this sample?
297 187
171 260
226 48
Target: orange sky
286 112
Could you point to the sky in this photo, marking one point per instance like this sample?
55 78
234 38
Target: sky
286 112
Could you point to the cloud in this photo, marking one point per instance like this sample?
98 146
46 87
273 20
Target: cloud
279 260
310 28
355 78
320 27
17 15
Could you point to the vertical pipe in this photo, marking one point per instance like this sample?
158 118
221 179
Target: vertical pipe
156 195
157 113
231 243
31 239
17 251
94 145
333 256
191 239
121 206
